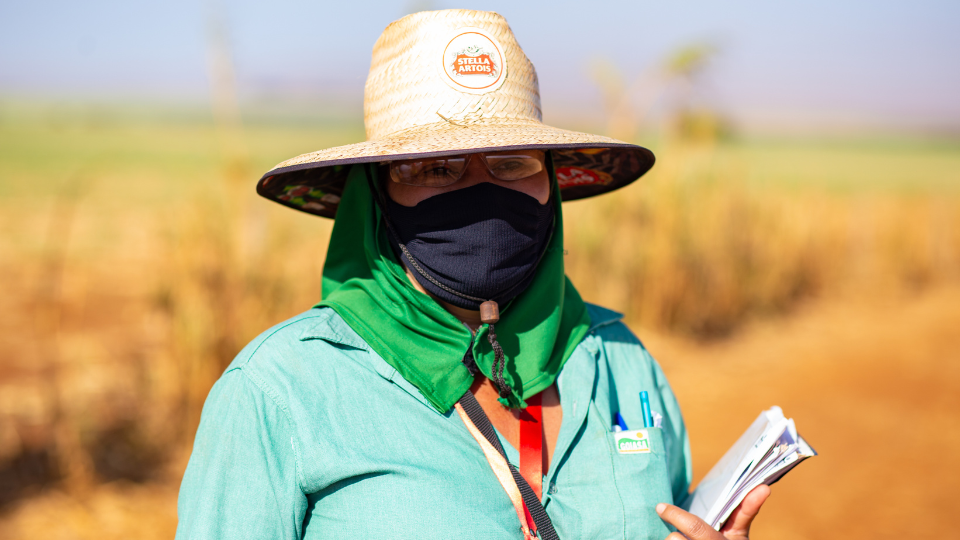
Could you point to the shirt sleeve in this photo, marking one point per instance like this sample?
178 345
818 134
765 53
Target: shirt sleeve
242 478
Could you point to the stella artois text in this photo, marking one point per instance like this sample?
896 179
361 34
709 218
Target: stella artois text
470 65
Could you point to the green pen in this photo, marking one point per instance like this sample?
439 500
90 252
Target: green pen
645 406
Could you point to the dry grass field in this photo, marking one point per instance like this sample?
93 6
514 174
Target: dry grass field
820 275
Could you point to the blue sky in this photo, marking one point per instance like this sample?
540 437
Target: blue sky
823 62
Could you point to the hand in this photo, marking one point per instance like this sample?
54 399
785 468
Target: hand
737 526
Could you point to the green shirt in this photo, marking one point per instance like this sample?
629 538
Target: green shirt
310 434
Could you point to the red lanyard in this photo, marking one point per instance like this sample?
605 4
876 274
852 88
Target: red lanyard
531 444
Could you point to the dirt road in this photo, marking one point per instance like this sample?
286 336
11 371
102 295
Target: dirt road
874 386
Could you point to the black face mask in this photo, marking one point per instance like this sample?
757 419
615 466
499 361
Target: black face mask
484 241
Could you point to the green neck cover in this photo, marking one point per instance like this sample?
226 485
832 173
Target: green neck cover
369 289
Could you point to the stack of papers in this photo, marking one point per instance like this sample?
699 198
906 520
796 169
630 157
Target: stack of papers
764 453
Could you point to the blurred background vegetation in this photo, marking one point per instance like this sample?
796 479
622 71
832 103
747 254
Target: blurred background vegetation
816 271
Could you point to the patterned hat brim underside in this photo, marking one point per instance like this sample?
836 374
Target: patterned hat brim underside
586 165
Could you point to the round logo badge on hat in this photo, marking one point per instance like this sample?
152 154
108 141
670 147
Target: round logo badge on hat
472 61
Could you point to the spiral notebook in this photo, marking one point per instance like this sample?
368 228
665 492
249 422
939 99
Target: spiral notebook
769 449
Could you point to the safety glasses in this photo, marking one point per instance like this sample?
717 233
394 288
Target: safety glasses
508 165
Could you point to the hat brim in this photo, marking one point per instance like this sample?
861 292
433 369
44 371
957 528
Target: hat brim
586 165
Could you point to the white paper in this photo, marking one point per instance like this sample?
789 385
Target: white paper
765 452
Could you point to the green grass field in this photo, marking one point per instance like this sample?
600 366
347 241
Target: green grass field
160 156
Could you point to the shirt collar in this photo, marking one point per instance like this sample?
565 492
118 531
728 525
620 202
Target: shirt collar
328 326
600 316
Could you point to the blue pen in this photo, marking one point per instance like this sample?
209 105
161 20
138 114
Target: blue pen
645 406
618 421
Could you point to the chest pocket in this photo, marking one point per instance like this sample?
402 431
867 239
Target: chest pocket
642 480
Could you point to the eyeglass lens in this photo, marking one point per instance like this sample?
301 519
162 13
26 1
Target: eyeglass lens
436 172
444 171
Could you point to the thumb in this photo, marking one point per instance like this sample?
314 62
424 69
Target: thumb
738 524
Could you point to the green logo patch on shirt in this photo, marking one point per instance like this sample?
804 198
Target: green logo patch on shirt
633 442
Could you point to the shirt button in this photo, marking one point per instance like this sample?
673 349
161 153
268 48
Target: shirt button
553 488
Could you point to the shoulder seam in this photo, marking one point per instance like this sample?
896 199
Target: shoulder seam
279 404
264 339
603 324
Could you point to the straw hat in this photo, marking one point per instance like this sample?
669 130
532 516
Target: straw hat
453 82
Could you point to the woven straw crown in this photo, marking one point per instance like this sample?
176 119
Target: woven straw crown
405 91
450 82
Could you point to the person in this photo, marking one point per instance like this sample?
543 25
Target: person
451 383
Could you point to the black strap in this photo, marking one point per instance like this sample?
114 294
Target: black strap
479 418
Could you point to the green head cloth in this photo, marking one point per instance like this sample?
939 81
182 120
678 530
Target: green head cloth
364 282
